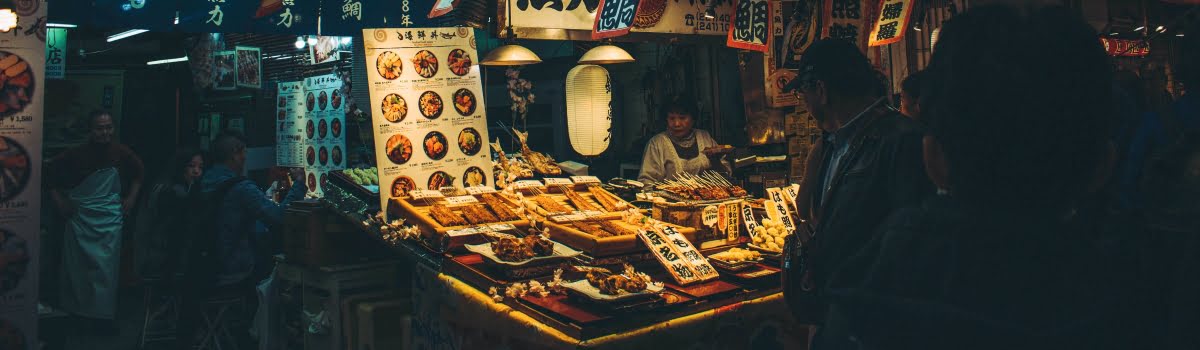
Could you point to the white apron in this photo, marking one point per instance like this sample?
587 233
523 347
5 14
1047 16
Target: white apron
92 247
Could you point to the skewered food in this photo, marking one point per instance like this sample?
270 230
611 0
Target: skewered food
498 206
399 149
541 162
550 205
394 108
616 228
431 105
591 229
445 216
583 204
425 63
609 201
464 102
389 65
477 214
459 62
706 186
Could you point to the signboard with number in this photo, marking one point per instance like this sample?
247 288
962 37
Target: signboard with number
349 17
678 256
615 18
751 28
893 20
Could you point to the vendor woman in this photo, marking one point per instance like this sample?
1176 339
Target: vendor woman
682 149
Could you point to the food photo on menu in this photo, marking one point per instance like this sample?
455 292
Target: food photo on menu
14 168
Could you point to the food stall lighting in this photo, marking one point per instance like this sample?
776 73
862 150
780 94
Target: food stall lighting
917 27
60 25
1179 35
606 53
299 42
176 17
345 40
1114 33
8 20
511 53
1160 29
125 34
312 40
169 60
1138 29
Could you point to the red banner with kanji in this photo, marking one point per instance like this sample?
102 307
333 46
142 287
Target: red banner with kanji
1125 47
894 16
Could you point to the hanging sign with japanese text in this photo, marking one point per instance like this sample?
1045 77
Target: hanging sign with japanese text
894 17
751 28
217 16
847 19
22 62
56 53
531 17
427 94
678 256
349 17
287 17
1126 47
615 18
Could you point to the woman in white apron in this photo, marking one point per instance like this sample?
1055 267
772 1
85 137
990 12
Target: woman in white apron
92 247
681 149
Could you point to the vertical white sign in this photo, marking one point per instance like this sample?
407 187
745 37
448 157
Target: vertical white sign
427 110
22 62
289 118
324 134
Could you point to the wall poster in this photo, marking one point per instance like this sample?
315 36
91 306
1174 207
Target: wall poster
324 120
225 69
249 67
23 62
290 117
426 90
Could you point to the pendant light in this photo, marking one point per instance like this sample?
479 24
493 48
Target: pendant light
511 53
606 53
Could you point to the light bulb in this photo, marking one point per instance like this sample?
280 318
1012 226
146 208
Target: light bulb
299 43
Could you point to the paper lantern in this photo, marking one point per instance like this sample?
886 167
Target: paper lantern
589 109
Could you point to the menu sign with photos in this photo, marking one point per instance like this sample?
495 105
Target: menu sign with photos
289 117
23 64
428 118
324 135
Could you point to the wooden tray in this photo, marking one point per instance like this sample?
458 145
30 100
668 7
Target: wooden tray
437 235
562 199
606 246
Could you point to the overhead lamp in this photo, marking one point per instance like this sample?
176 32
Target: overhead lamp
60 25
917 27
511 53
606 53
1114 33
8 20
299 42
1138 29
169 60
345 40
1179 35
312 40
125 34
1160 29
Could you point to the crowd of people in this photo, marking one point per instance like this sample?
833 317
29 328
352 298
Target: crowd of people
994 211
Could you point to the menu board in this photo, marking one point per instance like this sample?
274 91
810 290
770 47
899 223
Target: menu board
23 59
426 91
324 141
290 118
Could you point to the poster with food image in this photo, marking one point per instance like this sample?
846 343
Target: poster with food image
429 122
291 134
225 69
325 50
22 79
249 67
324 134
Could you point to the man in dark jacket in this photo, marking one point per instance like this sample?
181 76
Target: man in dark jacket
1003 257
867 164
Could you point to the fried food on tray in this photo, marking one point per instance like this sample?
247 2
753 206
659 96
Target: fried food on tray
613 284
591 229
477 214
499 207
540 162
736 255
609 201
550 205
445 216
616 228
583 204
509 248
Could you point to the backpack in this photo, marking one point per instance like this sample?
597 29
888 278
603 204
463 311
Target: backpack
200 264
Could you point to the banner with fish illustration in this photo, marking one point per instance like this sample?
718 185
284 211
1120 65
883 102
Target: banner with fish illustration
416 71
324 138
22 62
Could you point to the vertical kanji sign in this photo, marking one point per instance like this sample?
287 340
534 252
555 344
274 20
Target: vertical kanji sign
615 18
56 53
893 19
751 29
846 19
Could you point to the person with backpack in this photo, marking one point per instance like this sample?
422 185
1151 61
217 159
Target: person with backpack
157 242
228 210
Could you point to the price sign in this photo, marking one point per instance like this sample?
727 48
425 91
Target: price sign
731 220
426 194
462 232
568 217
476 190
710 215
748 218
523 184
678 256
557 181
502 227
779 207
580 180
461 200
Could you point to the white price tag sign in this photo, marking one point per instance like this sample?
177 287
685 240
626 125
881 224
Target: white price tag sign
748 218
502 227
710 215
480 189
462 232
426 194
557 181
780 208
462 200
523 184
579 180
568 217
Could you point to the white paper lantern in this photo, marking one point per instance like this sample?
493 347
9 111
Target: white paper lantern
589 109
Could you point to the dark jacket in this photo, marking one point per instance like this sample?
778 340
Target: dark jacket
882 171
244 206
949 276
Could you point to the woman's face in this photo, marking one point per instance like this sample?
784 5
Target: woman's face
194 168
679 125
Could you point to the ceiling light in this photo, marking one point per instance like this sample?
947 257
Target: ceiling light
312 40
60 25
1180 34
8 20
1160 29
345 40
606 54
1138 29
1114 33
176 17
299 42
125 34
169 60
917 28
511 53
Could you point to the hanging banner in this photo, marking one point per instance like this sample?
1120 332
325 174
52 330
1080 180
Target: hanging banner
442 7
894 18
290 116
324 137
22 61
751 28
615 18
1125 47
217 16
349 17
531 18
847 19
56 49
426 90
286 17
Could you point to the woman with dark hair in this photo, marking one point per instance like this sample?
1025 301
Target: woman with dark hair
682 148
163 207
